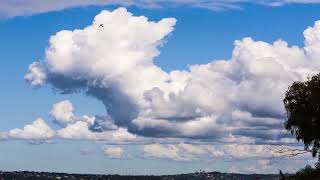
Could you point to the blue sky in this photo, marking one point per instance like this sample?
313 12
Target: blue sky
200 36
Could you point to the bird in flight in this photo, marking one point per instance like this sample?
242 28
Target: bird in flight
101 25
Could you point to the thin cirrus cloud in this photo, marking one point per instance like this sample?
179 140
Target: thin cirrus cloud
234 100
9 8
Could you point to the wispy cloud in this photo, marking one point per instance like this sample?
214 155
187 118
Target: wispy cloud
9 8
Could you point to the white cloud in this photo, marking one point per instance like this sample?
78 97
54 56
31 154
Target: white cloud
167 152
62 112
182 152
9 8
81 130
191 152
38 130
247 151
239 98
113 152
96 128
36 76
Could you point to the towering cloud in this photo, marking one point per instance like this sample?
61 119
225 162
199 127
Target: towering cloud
239 98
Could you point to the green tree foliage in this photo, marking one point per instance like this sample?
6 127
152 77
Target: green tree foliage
302 104
309 172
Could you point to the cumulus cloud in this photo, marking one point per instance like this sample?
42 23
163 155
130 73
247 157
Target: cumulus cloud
9 8
81 130
191 152
37 130
235 99
62 112
96 128
36 76
113 152
180 152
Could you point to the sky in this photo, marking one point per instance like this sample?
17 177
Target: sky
164 87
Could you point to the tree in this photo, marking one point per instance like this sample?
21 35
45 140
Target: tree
308 172
302 104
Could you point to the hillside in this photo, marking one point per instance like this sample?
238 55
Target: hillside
191 176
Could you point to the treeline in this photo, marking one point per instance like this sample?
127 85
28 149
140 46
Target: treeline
192 176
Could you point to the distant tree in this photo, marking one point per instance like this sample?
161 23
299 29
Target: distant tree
302 104
308 172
